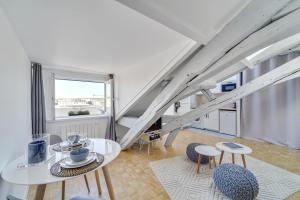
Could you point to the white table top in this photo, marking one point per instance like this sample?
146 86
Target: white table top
207 150
40 174
244 150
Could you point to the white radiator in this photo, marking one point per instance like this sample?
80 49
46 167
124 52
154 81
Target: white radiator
93 127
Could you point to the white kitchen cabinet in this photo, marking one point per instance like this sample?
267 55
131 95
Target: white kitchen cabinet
198 123
211 121
228 122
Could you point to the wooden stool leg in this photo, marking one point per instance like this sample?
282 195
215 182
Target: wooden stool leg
63 189
40 192
233 161
108 183
198 164
214 159
98 182
87 183
244 160
221 158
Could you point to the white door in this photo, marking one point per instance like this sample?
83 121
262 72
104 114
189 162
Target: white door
228 122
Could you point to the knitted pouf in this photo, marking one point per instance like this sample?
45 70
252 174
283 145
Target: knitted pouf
193 155
235 182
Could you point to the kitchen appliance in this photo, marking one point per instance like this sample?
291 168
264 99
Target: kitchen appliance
227 87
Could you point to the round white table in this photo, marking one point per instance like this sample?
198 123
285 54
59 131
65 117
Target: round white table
242 151
40 174
209 151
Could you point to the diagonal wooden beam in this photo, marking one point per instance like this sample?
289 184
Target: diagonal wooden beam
274 32
255 15
292 6
275 49
208 95
273 77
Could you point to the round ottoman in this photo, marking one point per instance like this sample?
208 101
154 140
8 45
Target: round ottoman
235 182
193 155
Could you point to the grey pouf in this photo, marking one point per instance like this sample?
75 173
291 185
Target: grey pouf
236 182
193 155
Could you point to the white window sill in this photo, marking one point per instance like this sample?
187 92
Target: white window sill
75 118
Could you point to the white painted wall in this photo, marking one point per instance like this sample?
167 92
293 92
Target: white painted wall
15 126
138 79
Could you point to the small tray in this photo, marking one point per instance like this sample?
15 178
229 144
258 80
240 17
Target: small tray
232 145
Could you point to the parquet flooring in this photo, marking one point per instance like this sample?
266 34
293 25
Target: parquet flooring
134 180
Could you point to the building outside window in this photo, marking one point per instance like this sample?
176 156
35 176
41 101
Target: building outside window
80 98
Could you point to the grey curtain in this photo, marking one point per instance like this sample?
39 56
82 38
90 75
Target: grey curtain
38 115
272 114
111 127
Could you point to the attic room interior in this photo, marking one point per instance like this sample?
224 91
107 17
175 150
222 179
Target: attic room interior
138 100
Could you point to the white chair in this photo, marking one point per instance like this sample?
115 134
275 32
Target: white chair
149 138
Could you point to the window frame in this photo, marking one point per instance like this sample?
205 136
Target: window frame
55 77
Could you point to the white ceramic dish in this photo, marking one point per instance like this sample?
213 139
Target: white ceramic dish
68 163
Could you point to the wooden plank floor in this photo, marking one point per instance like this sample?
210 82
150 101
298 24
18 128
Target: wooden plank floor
134 180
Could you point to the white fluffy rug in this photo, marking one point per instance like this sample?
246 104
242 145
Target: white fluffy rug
178 177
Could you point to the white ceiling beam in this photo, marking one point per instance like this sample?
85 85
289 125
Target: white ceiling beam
208 95
284 72
256 15
291 77
275 49
272 50
266 53
272 33
292 6
245 62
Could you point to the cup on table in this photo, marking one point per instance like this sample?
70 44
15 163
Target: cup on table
37 151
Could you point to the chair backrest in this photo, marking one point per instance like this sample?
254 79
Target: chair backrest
54 139
10 197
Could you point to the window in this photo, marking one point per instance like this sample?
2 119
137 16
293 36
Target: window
79 98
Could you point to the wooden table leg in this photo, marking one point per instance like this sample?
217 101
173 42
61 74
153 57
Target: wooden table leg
221 158
63 189
40 192
233 161
214 159
149 148
87 183
209 162
244 160
98 182
108 183
199 163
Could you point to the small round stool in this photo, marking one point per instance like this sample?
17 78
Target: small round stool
209 151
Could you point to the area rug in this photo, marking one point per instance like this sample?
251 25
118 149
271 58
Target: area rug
178 177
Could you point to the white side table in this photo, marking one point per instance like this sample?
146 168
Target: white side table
242 151
209 151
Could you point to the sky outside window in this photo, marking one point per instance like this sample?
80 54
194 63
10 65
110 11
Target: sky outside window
78 89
